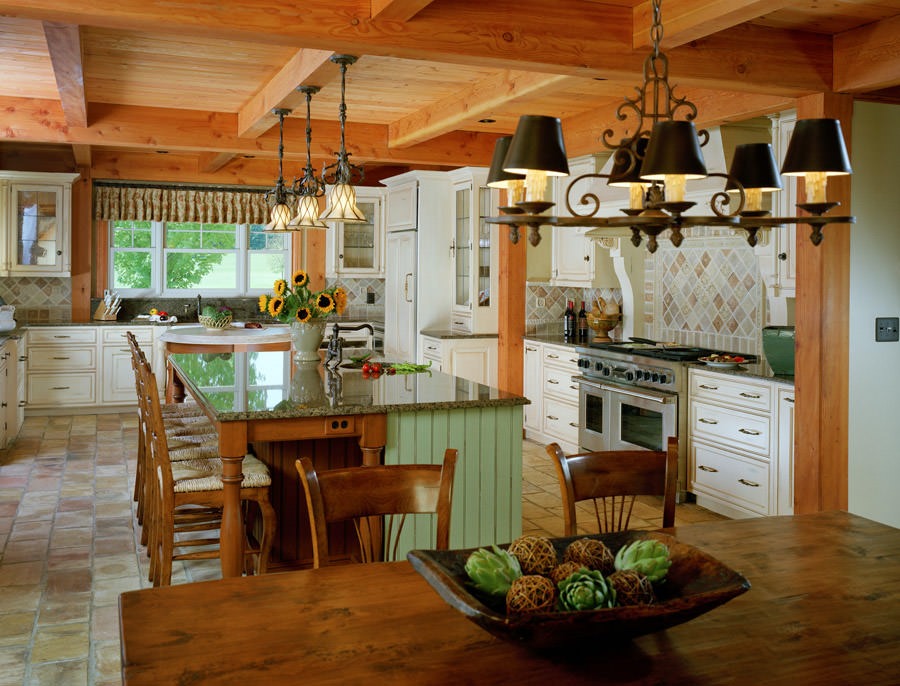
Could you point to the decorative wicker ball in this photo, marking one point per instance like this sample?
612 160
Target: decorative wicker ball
564 571
531 593
632 588
536 554
591 553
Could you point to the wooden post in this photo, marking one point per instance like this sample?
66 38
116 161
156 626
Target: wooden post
822 313
511 312
81 245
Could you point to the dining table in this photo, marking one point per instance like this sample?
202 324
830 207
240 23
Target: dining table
823 608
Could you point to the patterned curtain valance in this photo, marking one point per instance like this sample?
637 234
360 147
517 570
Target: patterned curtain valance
174 204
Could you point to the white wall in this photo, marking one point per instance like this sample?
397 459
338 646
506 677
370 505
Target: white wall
874 421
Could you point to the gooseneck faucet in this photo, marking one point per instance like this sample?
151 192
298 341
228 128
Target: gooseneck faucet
334 353
199 306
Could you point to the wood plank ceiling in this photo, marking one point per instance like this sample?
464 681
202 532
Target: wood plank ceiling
435 84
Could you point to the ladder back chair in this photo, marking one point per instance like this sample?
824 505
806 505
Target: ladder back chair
366 494
612 479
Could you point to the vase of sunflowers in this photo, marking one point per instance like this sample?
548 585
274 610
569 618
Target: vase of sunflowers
305 310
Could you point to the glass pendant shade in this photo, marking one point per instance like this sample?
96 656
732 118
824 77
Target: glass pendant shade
279 218
308 214
342 205
673 150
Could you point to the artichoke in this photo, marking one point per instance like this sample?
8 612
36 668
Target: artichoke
647 556
586 589
492 572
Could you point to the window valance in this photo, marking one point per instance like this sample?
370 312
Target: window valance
141 202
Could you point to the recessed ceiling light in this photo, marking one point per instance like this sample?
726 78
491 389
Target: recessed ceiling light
486 121
600 78
249 157
162 152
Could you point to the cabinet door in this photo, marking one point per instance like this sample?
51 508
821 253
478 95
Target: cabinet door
473 360
785 451
356 249
117 381
39 217
399 296
532 386
462 251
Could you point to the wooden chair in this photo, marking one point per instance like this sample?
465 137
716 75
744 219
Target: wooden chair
187 497
365 494
612 479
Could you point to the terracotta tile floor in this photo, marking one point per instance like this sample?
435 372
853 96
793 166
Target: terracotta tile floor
69 544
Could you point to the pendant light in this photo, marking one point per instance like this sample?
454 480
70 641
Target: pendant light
308 188
342 196
280 214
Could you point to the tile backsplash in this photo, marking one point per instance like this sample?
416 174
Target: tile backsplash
38 298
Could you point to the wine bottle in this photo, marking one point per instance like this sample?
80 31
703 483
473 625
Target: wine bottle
569 321
582 323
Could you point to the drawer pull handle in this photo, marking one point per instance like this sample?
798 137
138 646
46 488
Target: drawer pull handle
21 403
573 424
61 357
754 396
59 388
573 360
789 400
553 381
531 350
748 483
552 356
709 388
124 350
750 432
574 387
551 417
703 420
61 336
431 347
704 468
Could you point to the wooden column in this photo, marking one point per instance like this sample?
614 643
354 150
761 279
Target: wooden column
81 245
511 312
822 313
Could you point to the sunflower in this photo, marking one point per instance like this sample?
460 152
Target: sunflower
340 300
303 314
276 304
263 303
325 303
280 286
299 278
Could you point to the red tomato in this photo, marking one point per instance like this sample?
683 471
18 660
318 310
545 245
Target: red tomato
366 368
376 367
391 370
365 373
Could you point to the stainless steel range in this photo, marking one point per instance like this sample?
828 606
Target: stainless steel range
633 396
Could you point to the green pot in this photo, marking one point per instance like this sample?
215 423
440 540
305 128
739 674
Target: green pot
778 346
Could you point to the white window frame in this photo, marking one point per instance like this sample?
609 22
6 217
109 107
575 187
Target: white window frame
158 253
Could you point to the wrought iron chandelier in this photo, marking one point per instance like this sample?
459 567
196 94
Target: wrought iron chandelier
309 187
278 198
342 174
656 161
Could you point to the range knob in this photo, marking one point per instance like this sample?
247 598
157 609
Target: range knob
629 375
598 366
654 377
582 363
663 378
606 371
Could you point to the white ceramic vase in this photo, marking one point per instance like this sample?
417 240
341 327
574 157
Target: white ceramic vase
306 337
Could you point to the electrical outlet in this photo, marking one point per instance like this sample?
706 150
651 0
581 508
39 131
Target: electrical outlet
370 298
541 303
887 329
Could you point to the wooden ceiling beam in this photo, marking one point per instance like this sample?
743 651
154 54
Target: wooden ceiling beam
578 38
306 67
211 162
82 155
468 106
397 10
688 20
151 128
64 45
868 58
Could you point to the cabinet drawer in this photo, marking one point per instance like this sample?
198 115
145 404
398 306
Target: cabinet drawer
65 335
144 335
74 388
62 358
723 388
559 382
432 348
561 420
565 358
740 480
732 427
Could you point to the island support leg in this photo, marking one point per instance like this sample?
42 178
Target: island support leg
371 440
232 448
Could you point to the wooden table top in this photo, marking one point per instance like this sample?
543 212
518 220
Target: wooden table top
824 608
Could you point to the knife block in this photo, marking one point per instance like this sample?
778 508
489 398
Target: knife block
101 315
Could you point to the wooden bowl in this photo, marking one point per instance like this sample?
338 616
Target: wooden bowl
696 583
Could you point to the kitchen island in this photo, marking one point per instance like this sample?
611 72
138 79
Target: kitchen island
338 418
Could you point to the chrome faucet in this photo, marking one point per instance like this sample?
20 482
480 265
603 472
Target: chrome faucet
199 306
334 353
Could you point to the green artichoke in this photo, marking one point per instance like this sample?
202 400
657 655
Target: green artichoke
647 556
493 572
586 589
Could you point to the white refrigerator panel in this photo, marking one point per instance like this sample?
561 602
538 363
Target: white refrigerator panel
400 296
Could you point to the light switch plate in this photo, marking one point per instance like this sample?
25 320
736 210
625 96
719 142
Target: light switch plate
887 329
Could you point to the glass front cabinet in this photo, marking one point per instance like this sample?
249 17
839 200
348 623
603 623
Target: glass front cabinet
357 250
37 211
474 254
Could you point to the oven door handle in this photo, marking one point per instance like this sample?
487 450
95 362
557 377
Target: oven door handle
626 390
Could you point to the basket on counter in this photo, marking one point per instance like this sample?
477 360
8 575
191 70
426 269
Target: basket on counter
215 323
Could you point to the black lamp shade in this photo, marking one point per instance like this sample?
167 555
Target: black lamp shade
627 165
673 149
497 178
817 145
753 166
537 146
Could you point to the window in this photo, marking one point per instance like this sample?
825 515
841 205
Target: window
179 258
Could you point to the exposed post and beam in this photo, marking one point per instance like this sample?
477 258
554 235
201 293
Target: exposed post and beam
397 10
64 45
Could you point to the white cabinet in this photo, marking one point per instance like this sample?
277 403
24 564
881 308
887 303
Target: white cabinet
15 391
474 359
473 247
553 413
399 296
737 467
785 411
36 217
357 250
117 375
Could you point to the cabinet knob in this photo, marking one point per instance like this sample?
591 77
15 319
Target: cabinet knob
59 252
782 256
587 258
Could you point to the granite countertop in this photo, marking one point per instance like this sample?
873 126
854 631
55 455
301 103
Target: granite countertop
555 339
196 334
449 333
755 370
270 385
